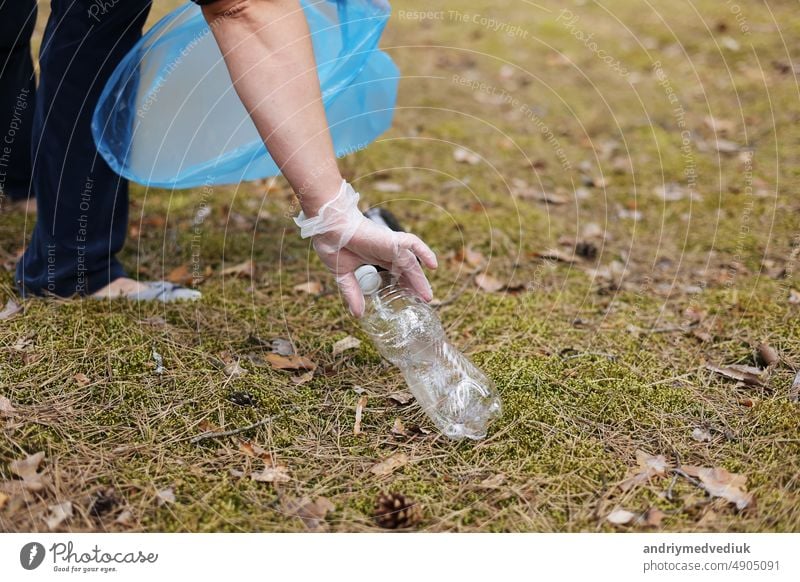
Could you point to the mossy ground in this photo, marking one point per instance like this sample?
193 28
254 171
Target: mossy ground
589 370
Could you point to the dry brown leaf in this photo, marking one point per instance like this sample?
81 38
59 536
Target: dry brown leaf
282 347
245 270
768 354
794 391
648 466
272 474
701 435
362 402
3 500
125 517
304 378
291 362
81 379
620 516
653 517
747 374
11 309
23 343
255 451
463 156
729 486
398 427
6 408
348 343
384 186
310 287
389 465
165 496
488 283
471 256
180 275
493 482
402 398
28 470
234 369
58 513
311 512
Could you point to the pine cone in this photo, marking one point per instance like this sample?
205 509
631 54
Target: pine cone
396 511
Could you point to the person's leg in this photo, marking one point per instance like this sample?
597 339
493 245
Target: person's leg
17 96
82 205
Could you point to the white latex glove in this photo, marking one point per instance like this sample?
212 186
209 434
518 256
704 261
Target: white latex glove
345 239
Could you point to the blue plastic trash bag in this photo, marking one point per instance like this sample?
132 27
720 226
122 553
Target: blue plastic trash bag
169 115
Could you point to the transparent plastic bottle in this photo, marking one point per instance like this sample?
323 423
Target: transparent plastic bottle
459 398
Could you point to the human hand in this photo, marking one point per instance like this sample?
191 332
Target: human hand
345 239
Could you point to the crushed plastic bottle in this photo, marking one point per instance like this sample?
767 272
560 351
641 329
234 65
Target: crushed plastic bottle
459 398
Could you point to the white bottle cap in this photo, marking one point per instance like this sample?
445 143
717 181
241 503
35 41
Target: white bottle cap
368 279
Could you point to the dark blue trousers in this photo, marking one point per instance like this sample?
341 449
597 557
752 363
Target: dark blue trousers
82 205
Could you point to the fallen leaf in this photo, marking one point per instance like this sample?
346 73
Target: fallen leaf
58 513
291 362
620 516
388 187
303 378
701 435
310 287
648 466
653 517
6 408
794 391
22 344
747 374
28 470
726 146
768 355
282 347
272 474
180 275
729 486
125 517
165 496
10 310
388 465
488 283
234 369
255 451
82 379
362 402
472 257
245 270
463 156
398 427
3 500
748 402
494 481
402 398
311 512
159 362
345 344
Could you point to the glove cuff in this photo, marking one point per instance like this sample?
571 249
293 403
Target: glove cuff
339 213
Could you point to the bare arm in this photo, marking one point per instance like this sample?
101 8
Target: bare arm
267 49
